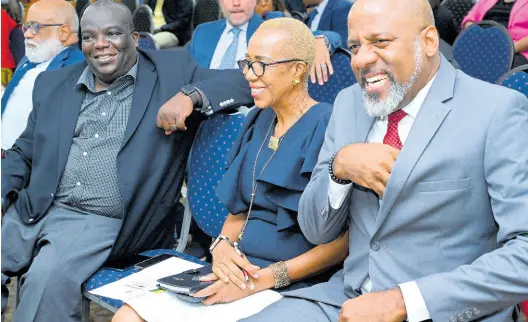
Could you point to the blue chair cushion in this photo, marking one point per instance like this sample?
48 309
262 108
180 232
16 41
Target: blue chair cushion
518 80
107 275
343 77
146 41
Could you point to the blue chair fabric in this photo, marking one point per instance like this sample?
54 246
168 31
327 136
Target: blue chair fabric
143 19
516 79
484 51
459 9
107 275
207 166
342 78
146 41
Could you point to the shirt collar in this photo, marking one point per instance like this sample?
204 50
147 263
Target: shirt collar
321 7
414 106
88 78
229 26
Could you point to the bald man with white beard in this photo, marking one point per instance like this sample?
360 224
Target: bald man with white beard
50 34
427 169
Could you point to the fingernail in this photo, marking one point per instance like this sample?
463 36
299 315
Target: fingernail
243 286
226 280
252 286
256 275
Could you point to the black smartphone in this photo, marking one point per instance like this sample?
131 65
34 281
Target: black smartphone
123 264
153 260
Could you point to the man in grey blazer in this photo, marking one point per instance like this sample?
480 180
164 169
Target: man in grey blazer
428 170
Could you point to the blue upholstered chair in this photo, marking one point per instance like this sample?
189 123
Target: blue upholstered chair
484 51
343 77
146 41
143 19
459 9
516 79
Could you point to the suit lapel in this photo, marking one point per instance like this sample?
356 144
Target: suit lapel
429 119
145 81
71 107
324 24
58 61
364 122
253 25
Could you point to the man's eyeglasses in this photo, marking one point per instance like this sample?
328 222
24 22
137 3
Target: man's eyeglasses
35 27
259 67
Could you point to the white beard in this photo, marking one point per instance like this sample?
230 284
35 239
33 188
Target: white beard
44 51
382 108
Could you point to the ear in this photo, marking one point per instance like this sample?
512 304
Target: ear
300 70
65 32
431 41
135 35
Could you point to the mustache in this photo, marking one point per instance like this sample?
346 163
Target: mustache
31 42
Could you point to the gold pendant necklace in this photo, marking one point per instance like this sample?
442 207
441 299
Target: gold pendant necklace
273 143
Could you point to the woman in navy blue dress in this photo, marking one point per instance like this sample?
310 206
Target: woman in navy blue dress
269 166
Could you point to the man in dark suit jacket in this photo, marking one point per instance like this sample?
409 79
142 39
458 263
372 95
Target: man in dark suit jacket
92 176
329 15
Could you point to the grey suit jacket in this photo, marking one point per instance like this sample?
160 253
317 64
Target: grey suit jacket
454 216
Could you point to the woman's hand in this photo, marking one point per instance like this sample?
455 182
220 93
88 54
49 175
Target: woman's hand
221 292
228 265
322 64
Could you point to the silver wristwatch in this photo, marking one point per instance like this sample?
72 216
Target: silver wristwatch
218 240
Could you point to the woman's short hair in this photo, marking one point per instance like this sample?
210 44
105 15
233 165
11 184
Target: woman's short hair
299 44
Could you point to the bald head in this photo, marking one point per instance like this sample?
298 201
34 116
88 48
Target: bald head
56 11
395 50
116 11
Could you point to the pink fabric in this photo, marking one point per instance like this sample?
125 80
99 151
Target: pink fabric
518 24
524 308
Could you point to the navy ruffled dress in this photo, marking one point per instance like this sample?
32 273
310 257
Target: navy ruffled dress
272 233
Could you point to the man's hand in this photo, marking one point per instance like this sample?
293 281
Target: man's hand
322 65
14 9
172 114
367 164
387 306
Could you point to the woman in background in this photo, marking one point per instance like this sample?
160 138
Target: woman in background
512 14
270 164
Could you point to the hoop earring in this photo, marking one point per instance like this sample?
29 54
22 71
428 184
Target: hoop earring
296 83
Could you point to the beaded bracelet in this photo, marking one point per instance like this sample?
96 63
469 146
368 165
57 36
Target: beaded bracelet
280 274
331 171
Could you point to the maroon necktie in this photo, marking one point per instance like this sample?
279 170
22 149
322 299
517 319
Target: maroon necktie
392 137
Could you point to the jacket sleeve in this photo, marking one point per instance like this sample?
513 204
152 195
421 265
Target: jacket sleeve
333 37
319 222
16 167
180 16
340 20
497 279
224 89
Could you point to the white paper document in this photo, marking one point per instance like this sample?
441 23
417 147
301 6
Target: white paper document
139 291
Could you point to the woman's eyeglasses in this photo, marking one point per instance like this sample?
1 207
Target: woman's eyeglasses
35 27
259 67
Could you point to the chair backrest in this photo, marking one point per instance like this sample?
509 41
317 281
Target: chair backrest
459 9
343 77
143 19
205 11
130 4
484 51
80 6
206 167
516 79
146 41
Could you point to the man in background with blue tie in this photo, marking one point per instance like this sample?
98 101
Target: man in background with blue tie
220 44
329 15
51 43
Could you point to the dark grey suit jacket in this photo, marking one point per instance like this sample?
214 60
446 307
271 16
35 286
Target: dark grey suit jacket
150 164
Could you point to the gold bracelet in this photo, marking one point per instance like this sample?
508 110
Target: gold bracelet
280 274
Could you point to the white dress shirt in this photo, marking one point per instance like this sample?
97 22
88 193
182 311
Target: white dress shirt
20 104
225 41
414 302
320 9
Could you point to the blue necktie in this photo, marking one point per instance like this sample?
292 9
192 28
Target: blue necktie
311 17
228 61
17 77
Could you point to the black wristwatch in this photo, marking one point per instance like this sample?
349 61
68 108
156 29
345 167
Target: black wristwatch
331 171
193 94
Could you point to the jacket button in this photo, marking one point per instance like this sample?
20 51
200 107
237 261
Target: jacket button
375 246
31 219
452 319
469 314
461 318
476 312
52 195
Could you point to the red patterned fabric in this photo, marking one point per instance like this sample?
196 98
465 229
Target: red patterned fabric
8 24
392 137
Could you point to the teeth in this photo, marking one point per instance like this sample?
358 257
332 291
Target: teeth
257 90
376 78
